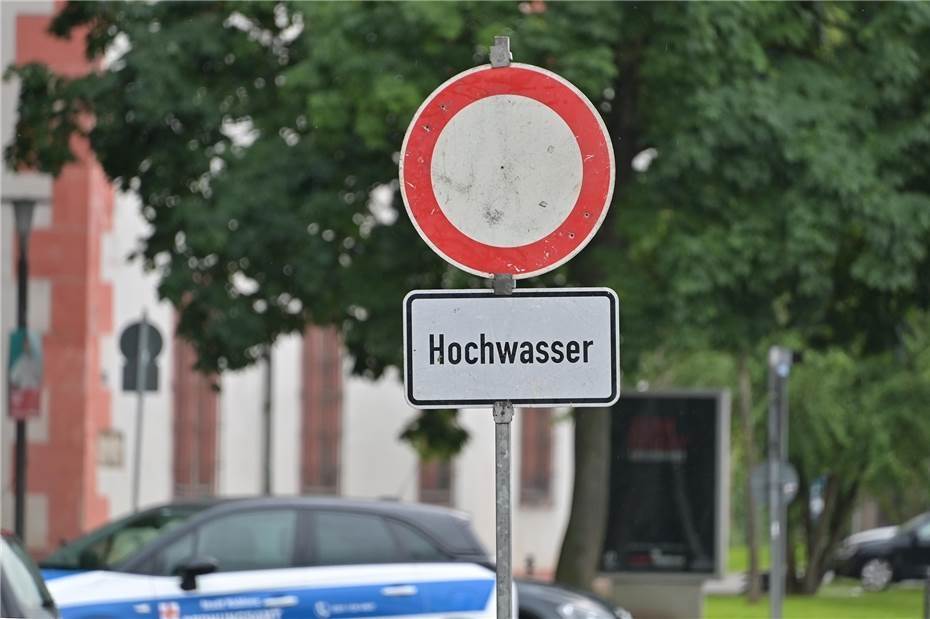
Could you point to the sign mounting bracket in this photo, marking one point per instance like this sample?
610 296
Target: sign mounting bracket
500 52
503 284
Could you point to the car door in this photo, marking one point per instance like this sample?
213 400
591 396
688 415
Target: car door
255 552
360 556
280 563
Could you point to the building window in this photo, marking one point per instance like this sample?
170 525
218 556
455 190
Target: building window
436 482
535 456
196 408
321 431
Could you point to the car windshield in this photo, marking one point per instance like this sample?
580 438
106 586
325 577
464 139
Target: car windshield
916 522
106 547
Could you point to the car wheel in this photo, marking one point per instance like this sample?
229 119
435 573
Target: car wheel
876 575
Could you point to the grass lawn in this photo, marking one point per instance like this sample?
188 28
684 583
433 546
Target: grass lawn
738 559
841 600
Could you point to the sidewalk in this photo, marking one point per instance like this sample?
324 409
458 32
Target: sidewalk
733 583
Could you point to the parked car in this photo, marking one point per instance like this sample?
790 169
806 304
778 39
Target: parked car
879 557
285 557
195 546
22 590
546 601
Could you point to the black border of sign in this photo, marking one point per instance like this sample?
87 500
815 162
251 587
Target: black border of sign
528 293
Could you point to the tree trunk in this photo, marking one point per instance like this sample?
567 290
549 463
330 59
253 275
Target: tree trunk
792 579
817 540
803 526
749 447
587 523
838 506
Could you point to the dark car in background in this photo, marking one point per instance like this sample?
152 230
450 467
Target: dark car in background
540 600
879 557
148 542
22 590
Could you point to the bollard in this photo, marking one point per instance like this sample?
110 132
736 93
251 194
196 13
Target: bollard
530 566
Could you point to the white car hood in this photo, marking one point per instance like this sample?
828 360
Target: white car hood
89 587
872 535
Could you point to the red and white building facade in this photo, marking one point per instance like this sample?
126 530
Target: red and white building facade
331 433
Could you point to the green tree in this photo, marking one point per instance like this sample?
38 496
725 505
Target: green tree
861 425
262 139
788 194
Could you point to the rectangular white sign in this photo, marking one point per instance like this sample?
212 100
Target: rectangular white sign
537 347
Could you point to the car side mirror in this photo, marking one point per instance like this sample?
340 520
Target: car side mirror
190 570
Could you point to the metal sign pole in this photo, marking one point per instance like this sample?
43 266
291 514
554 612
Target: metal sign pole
779 368
784 368
267 395
22 313
775 585
142 363
503 415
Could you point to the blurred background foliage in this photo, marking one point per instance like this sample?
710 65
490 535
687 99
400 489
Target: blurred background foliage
773 186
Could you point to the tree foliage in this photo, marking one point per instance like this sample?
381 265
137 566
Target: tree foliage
859 425
255 134
788 193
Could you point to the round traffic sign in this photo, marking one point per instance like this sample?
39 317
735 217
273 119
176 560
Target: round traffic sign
787 477
507 170
130 340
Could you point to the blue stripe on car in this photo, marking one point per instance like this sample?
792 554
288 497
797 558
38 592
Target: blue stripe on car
322 603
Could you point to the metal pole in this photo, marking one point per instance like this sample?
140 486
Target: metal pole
503 284
503 415
266 424
779 368
774 529
194 472
22 311
783 369
142 362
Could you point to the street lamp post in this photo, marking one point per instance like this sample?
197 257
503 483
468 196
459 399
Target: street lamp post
22 211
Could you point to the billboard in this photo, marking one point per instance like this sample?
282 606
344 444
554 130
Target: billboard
669 484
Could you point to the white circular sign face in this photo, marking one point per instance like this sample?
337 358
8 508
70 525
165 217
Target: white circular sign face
506 170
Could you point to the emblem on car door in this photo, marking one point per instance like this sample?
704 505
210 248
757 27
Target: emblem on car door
321 609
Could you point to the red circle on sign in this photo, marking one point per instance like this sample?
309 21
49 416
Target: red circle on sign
597 169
